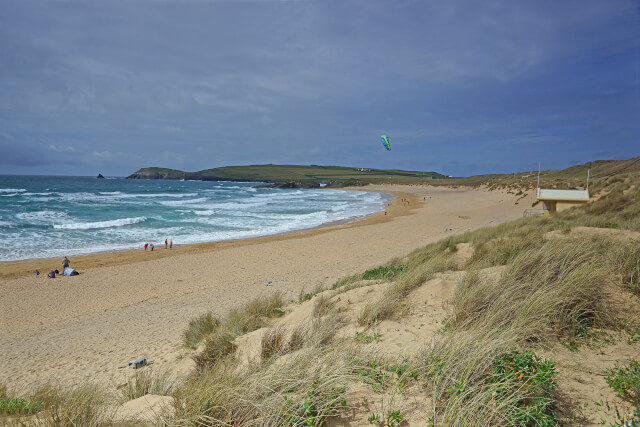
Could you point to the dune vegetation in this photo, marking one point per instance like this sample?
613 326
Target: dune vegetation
541 326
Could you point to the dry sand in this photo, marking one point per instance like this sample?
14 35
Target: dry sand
126 305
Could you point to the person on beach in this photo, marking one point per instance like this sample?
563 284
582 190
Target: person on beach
145 246
151 247
170 244
65 262
51 275
165 244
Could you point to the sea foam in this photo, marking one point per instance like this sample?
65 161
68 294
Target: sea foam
73 215
99 224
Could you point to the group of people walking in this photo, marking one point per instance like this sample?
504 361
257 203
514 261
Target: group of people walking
168 244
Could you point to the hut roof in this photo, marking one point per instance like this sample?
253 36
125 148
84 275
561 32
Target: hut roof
572 195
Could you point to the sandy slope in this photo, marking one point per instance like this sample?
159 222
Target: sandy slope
131 304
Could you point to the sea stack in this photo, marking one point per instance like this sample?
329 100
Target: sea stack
100 176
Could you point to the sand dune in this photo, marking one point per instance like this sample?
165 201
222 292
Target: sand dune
131 304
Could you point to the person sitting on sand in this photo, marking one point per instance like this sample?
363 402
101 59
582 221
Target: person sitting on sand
52 274
65 262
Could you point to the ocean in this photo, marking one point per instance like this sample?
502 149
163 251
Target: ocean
53 216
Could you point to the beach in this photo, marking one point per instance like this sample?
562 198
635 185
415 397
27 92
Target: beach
126 305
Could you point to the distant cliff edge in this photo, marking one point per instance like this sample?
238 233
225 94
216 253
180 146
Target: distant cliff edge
205 175
292 176
157 173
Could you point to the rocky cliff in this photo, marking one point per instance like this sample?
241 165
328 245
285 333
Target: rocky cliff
158 173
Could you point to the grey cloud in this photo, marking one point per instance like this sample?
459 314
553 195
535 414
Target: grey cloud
202 84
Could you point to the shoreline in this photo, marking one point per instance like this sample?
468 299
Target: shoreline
11 268
131 304
27 267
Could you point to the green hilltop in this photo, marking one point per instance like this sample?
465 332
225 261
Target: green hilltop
312 175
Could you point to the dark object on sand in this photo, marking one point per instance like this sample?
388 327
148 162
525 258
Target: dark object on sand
100 176
37 273
137 364
52 274
68 271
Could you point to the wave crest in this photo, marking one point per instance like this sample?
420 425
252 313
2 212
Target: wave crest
100 224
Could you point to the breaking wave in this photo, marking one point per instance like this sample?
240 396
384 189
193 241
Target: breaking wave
99 224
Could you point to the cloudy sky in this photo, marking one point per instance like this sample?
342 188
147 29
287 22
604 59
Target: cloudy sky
461 88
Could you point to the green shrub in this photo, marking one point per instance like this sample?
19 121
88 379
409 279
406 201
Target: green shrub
626 380
315 407
383 272
17 406
534 378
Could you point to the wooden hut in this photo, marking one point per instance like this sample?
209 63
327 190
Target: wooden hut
559 200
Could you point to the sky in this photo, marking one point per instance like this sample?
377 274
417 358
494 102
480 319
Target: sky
460 88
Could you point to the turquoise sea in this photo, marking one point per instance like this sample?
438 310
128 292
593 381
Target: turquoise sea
52 216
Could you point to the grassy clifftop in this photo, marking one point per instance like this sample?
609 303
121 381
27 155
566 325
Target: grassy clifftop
158 173
311 175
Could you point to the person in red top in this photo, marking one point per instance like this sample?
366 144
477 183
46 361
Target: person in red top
145 246
165 244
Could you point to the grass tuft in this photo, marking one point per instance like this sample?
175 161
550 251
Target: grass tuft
18 406
147 381
220 343
384 272
272 343
626 263
199 328
423 264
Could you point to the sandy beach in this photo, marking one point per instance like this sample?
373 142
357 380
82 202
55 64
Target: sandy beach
126 305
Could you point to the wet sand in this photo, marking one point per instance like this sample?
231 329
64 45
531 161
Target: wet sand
125 305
